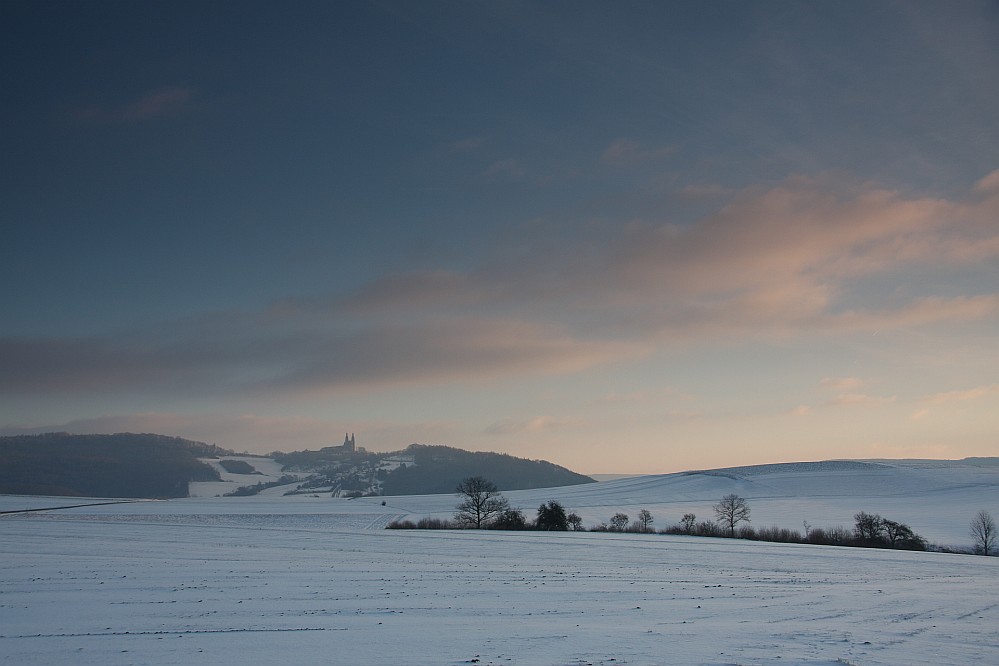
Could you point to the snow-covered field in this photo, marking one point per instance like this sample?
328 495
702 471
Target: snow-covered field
145 589
305 580
937 498
266 470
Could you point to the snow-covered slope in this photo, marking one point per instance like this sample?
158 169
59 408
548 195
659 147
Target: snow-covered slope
936 498
265 470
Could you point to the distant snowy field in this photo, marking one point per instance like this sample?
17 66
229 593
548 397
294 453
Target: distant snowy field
314 580
937 498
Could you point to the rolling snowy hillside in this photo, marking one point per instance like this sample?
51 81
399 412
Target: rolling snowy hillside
937 498
315 580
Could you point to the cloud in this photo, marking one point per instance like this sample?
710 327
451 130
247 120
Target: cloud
416 291
785 261
860 400
964 395
514 426
249 355
841 383
989 183
443 351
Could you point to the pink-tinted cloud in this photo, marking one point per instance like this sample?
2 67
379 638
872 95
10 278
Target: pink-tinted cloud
787 261
841 383
516 426
989 183
965 394
447 350
860 400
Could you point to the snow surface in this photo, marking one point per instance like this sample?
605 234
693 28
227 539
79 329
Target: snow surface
310 580
267 469
183 588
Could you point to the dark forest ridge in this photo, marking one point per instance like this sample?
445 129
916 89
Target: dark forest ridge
157 466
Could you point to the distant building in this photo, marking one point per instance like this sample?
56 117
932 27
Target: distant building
348 447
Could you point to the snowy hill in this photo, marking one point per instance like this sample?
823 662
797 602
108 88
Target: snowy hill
937 498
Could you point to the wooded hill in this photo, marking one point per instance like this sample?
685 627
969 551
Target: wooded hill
158 466
439 469
119 465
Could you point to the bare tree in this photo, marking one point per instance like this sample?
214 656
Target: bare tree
869 529
731 511
687 522
481 502
619 522
645 520
575 522
900 535
983 531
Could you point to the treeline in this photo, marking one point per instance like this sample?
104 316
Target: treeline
438 469
256 488
483 506
119 465
514 519
551 517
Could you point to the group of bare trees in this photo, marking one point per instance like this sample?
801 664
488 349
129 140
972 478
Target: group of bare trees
482 506
620 522
873 531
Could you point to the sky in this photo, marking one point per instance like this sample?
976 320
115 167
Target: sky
625 237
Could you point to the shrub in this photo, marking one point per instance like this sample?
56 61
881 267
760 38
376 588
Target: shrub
708 529
551 516
435 524
510 519
779 535
401 525
619 522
